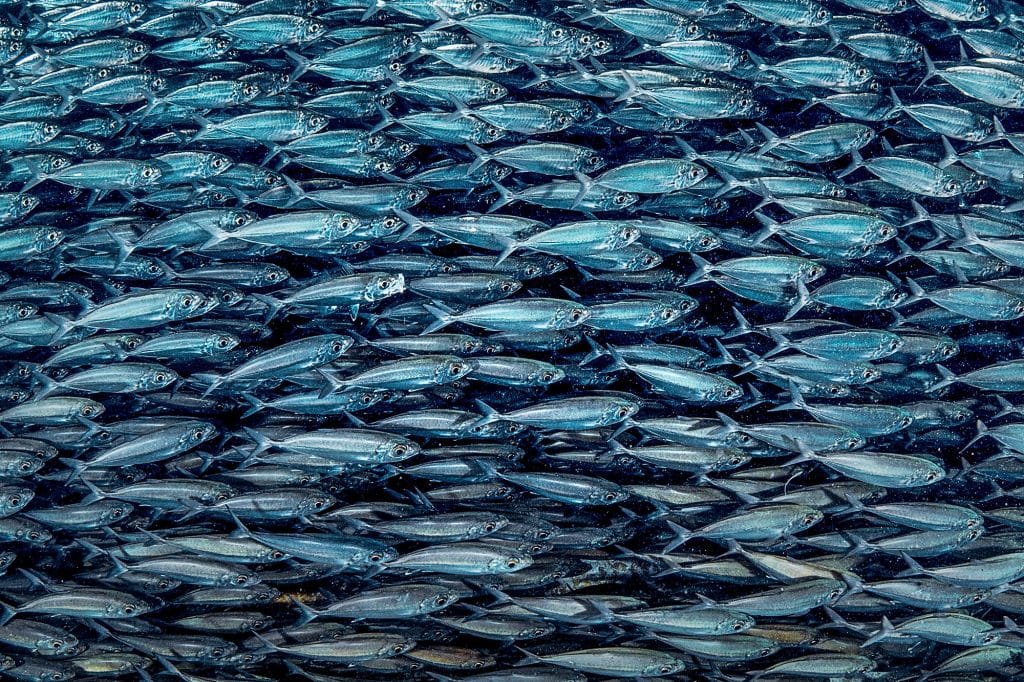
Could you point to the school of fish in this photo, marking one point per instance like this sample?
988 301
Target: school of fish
511 341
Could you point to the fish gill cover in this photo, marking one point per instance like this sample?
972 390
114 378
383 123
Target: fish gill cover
511 341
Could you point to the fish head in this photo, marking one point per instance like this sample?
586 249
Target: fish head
117 511
546 376
978 11
470 346
888 297
410 196
510 563
397 450
46 238
729 459
618 411
156 379
24 465
14 500
37 535
9 49
311 29
217 651
331 347
313 123
669 666
491 92
440 599
973 597
143 175
985 638
23 311
383 286
735 623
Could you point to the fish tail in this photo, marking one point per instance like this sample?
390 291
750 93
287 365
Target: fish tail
982 432
856 163
682 536
95 493
803 297
7 612
506 196
913 568
413 224
769 227
930 71
91 551
274 306
596 351
444 318
255 404
948 379
884 632
701 273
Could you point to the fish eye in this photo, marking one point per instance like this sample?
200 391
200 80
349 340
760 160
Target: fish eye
594 161
15 501
512 562
692 30
148 172
366 399
621 199
33 535
576 315
217 652
53 236
547 376
610 496
87 410
861 72
584 40
821 14
131 344
241 580
23 313
441 600
622 412
557 33
277 554
239 221
199 433
666 669
395 67
931 476
160 376
493 133
495 90
187 301
952 186
506 286
116 513
317 504
315 27
336 347
401 449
